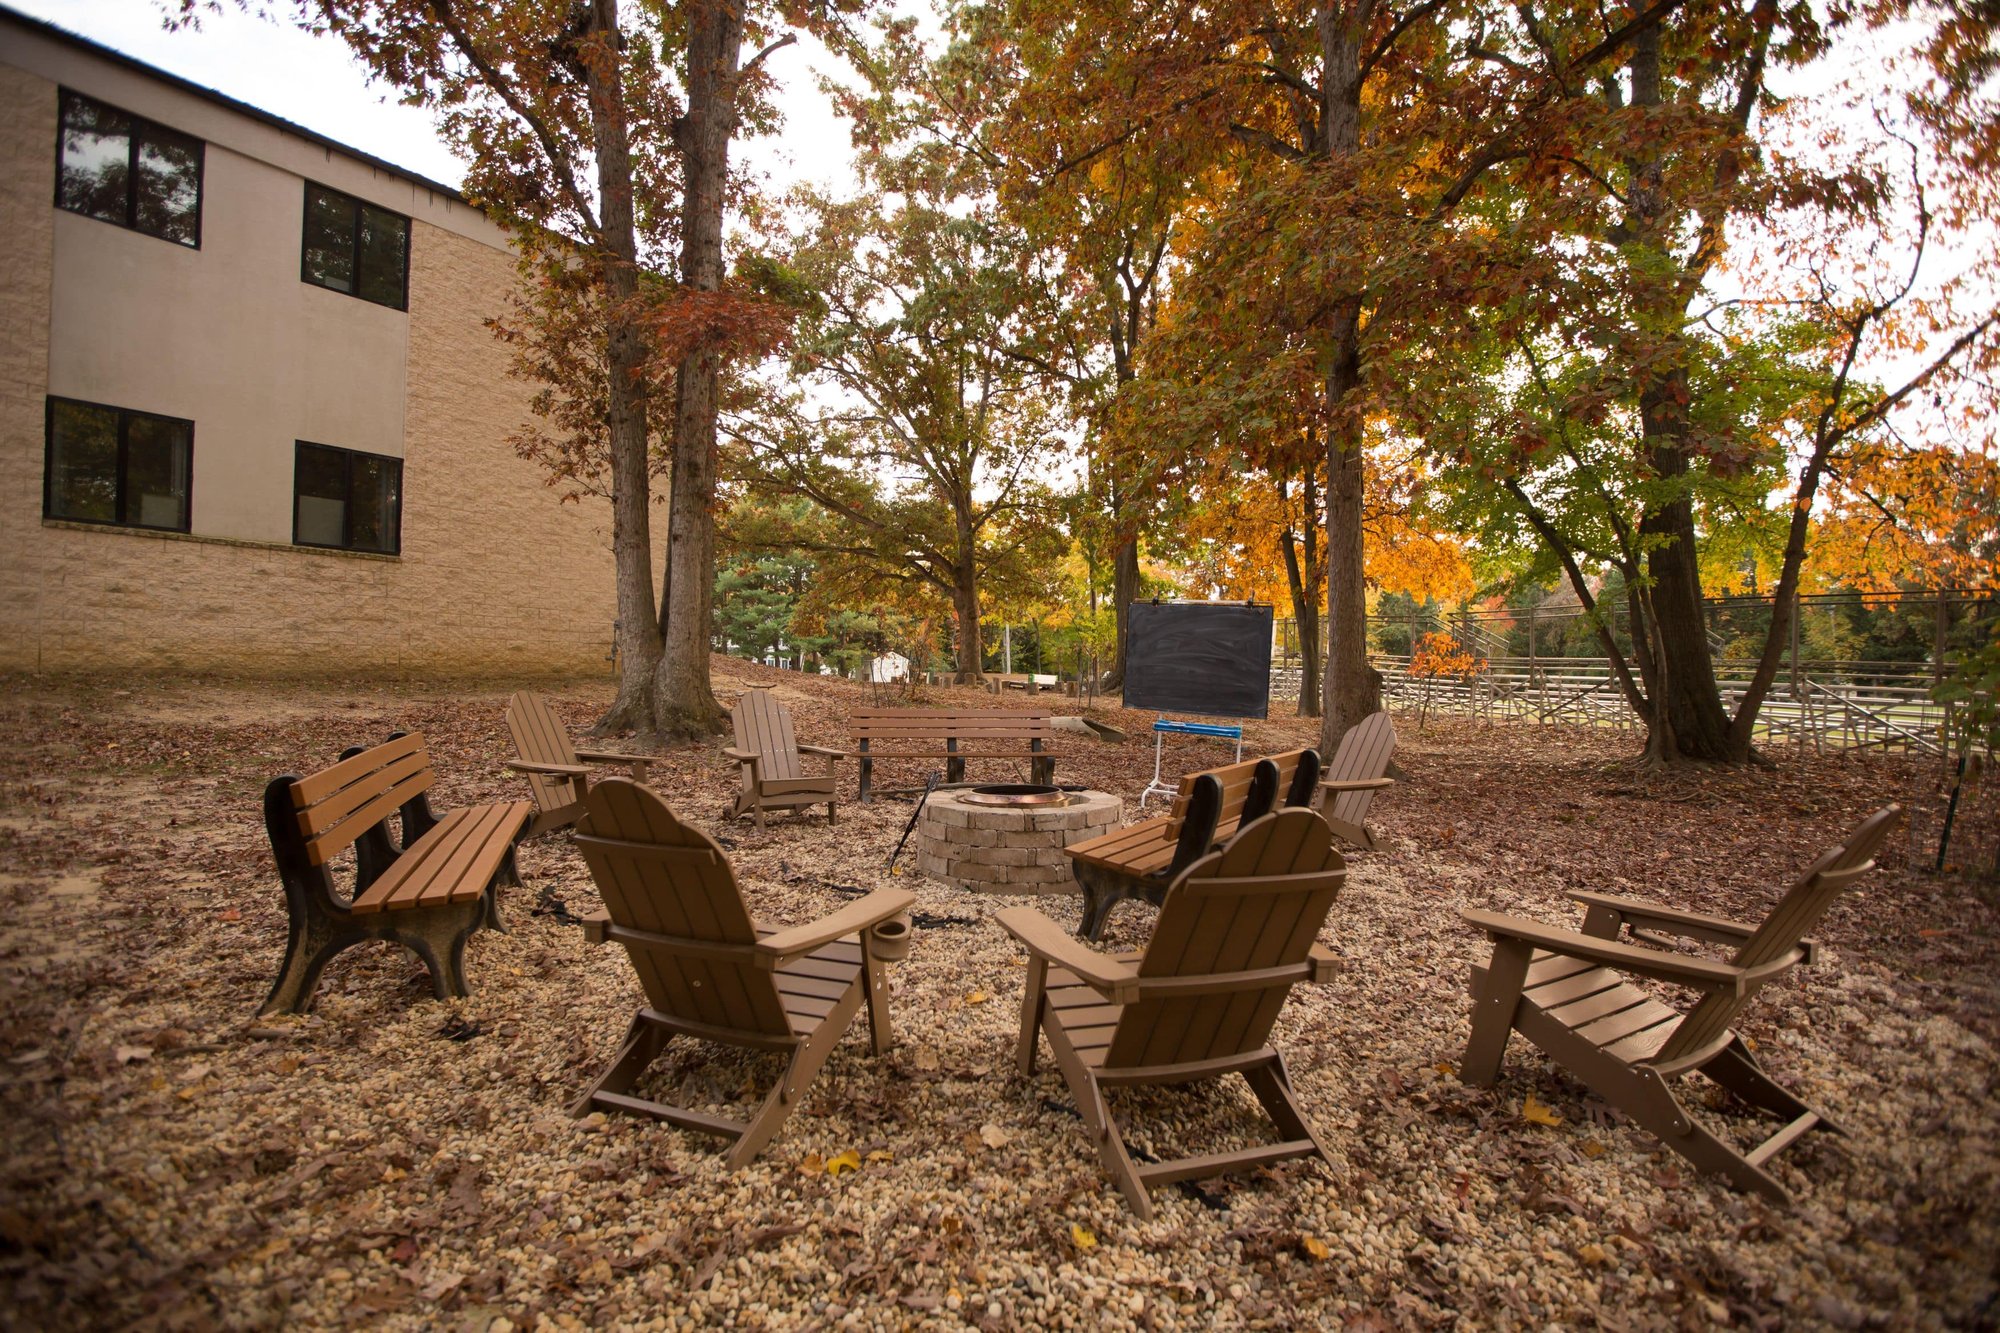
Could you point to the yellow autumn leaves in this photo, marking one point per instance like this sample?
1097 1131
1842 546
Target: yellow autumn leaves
812 1164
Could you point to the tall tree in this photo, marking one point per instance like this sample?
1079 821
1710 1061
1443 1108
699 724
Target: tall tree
925 441
1613 403
711 330
1337 140
603 135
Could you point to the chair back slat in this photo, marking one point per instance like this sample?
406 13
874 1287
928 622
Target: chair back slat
764 728
1284 875
1800 909
1783 930
540 738
625 837
1364 753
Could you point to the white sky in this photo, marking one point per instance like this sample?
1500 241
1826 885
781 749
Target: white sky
318 84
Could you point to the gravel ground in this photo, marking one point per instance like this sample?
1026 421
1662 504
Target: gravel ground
396 1162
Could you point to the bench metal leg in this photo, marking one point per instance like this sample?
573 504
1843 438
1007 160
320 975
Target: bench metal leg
1042 767
437 935
1103 890
509 875
309 946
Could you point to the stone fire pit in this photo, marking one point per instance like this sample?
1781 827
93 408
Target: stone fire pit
971 843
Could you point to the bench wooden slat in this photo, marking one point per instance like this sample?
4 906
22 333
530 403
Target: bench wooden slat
420 876
312 790
453 863
453 868
335 822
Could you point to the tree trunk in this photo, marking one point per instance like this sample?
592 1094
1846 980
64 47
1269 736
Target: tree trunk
1685 696
1124 590
965 609
1302 578
684 704
1353 689
626 409
1687 719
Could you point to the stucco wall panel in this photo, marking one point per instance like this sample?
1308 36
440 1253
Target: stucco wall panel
228 337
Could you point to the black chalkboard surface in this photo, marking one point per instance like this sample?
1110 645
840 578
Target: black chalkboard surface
1208 658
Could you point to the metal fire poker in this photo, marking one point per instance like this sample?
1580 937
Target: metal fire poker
930 785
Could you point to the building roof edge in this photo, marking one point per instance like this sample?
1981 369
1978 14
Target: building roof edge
60 34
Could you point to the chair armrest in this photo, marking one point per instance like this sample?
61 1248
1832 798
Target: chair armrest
548 770
613 757
740 756
1694 925
1326 964
1115 981
1356 784
1681 970
597 926
821 749
871 911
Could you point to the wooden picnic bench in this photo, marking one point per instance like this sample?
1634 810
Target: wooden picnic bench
428 893
953 735
1140 860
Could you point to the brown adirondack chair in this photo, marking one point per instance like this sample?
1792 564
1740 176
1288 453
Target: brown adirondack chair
1236 932
710 972
556 778
773 777
1355 775
1562 990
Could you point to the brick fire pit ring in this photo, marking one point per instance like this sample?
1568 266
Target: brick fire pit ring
1000 849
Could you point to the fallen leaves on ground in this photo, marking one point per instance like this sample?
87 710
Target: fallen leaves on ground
359 1141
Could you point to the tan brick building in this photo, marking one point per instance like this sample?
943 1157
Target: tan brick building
251 419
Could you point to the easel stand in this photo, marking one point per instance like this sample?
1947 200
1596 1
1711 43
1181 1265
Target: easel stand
1164 728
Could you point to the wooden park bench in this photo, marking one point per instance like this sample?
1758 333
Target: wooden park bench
428 894
953 735
1140 860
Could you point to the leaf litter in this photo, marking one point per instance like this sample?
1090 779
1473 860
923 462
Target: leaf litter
350 1167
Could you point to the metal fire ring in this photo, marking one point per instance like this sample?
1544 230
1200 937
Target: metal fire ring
1016 795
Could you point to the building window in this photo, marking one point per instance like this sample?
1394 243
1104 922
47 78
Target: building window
108 465
356 248
347 500
122 169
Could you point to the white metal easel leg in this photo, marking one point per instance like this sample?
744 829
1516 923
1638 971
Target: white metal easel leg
1156 787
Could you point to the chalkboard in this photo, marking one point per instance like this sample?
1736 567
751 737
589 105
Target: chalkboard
1207 658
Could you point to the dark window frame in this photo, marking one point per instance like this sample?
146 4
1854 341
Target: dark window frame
125 415
347 518
139 125
354 215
